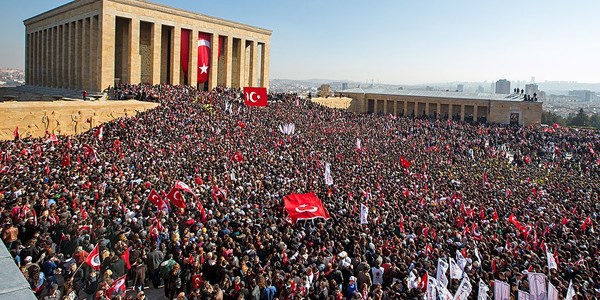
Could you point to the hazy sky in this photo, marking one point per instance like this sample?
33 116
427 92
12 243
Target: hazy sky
395 41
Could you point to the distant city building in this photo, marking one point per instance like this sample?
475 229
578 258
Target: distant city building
344 85
582 95
480 89
502 86
531 88
493 88
460 88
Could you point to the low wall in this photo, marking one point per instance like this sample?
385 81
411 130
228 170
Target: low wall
62 117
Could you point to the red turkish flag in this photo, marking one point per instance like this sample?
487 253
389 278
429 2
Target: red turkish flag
203 56
117 286
93 259
197 281
198 180
255 96
179 185
66 160
16 133
155 198
304 207
404 162
176 198
125 257
238 156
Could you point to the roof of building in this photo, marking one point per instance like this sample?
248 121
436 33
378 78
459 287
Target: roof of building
12 283
435 94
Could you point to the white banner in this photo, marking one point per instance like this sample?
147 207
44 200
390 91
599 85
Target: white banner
444 294
537 286
464 289
412 280
501 290
477 255
460 260
358 144
455 271
442 267
483 289
552 292
523 295
328 177
570 291
431 293
550 258
364 214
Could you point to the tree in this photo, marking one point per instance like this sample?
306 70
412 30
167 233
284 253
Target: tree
595 121
549 118
580 119
324 91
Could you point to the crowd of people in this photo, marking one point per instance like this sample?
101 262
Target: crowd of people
500 196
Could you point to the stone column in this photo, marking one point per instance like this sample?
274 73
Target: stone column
385 106
43 57
59 56
78 55
72 54
107 52
156 52
27 59
439 111
242 63
213 74
193 61
265 61
55 57
475 113
135 69
450 115
427 108
228 53
85 52
254 64
93 83
175 60
462 112
405 113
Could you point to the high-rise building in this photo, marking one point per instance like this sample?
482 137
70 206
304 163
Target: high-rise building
582 95
531 88
502 86
344 85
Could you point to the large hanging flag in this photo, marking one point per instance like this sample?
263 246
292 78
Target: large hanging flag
501 290
537 286
483 290
93 259
117 286
464 289
304 207
203 56
255 96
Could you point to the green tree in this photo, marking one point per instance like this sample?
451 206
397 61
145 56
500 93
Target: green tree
580 119
595 121
549 118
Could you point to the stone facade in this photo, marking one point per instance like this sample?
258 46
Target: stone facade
87 44
493 110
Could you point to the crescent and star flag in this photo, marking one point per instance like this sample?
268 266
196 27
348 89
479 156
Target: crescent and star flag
52 138
501 290
404 162
100 133
155 198
304 207
238 156
203 56
364 214
197 281
117 286
180 185
255 96
66 160
89 151
176 198
93 259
